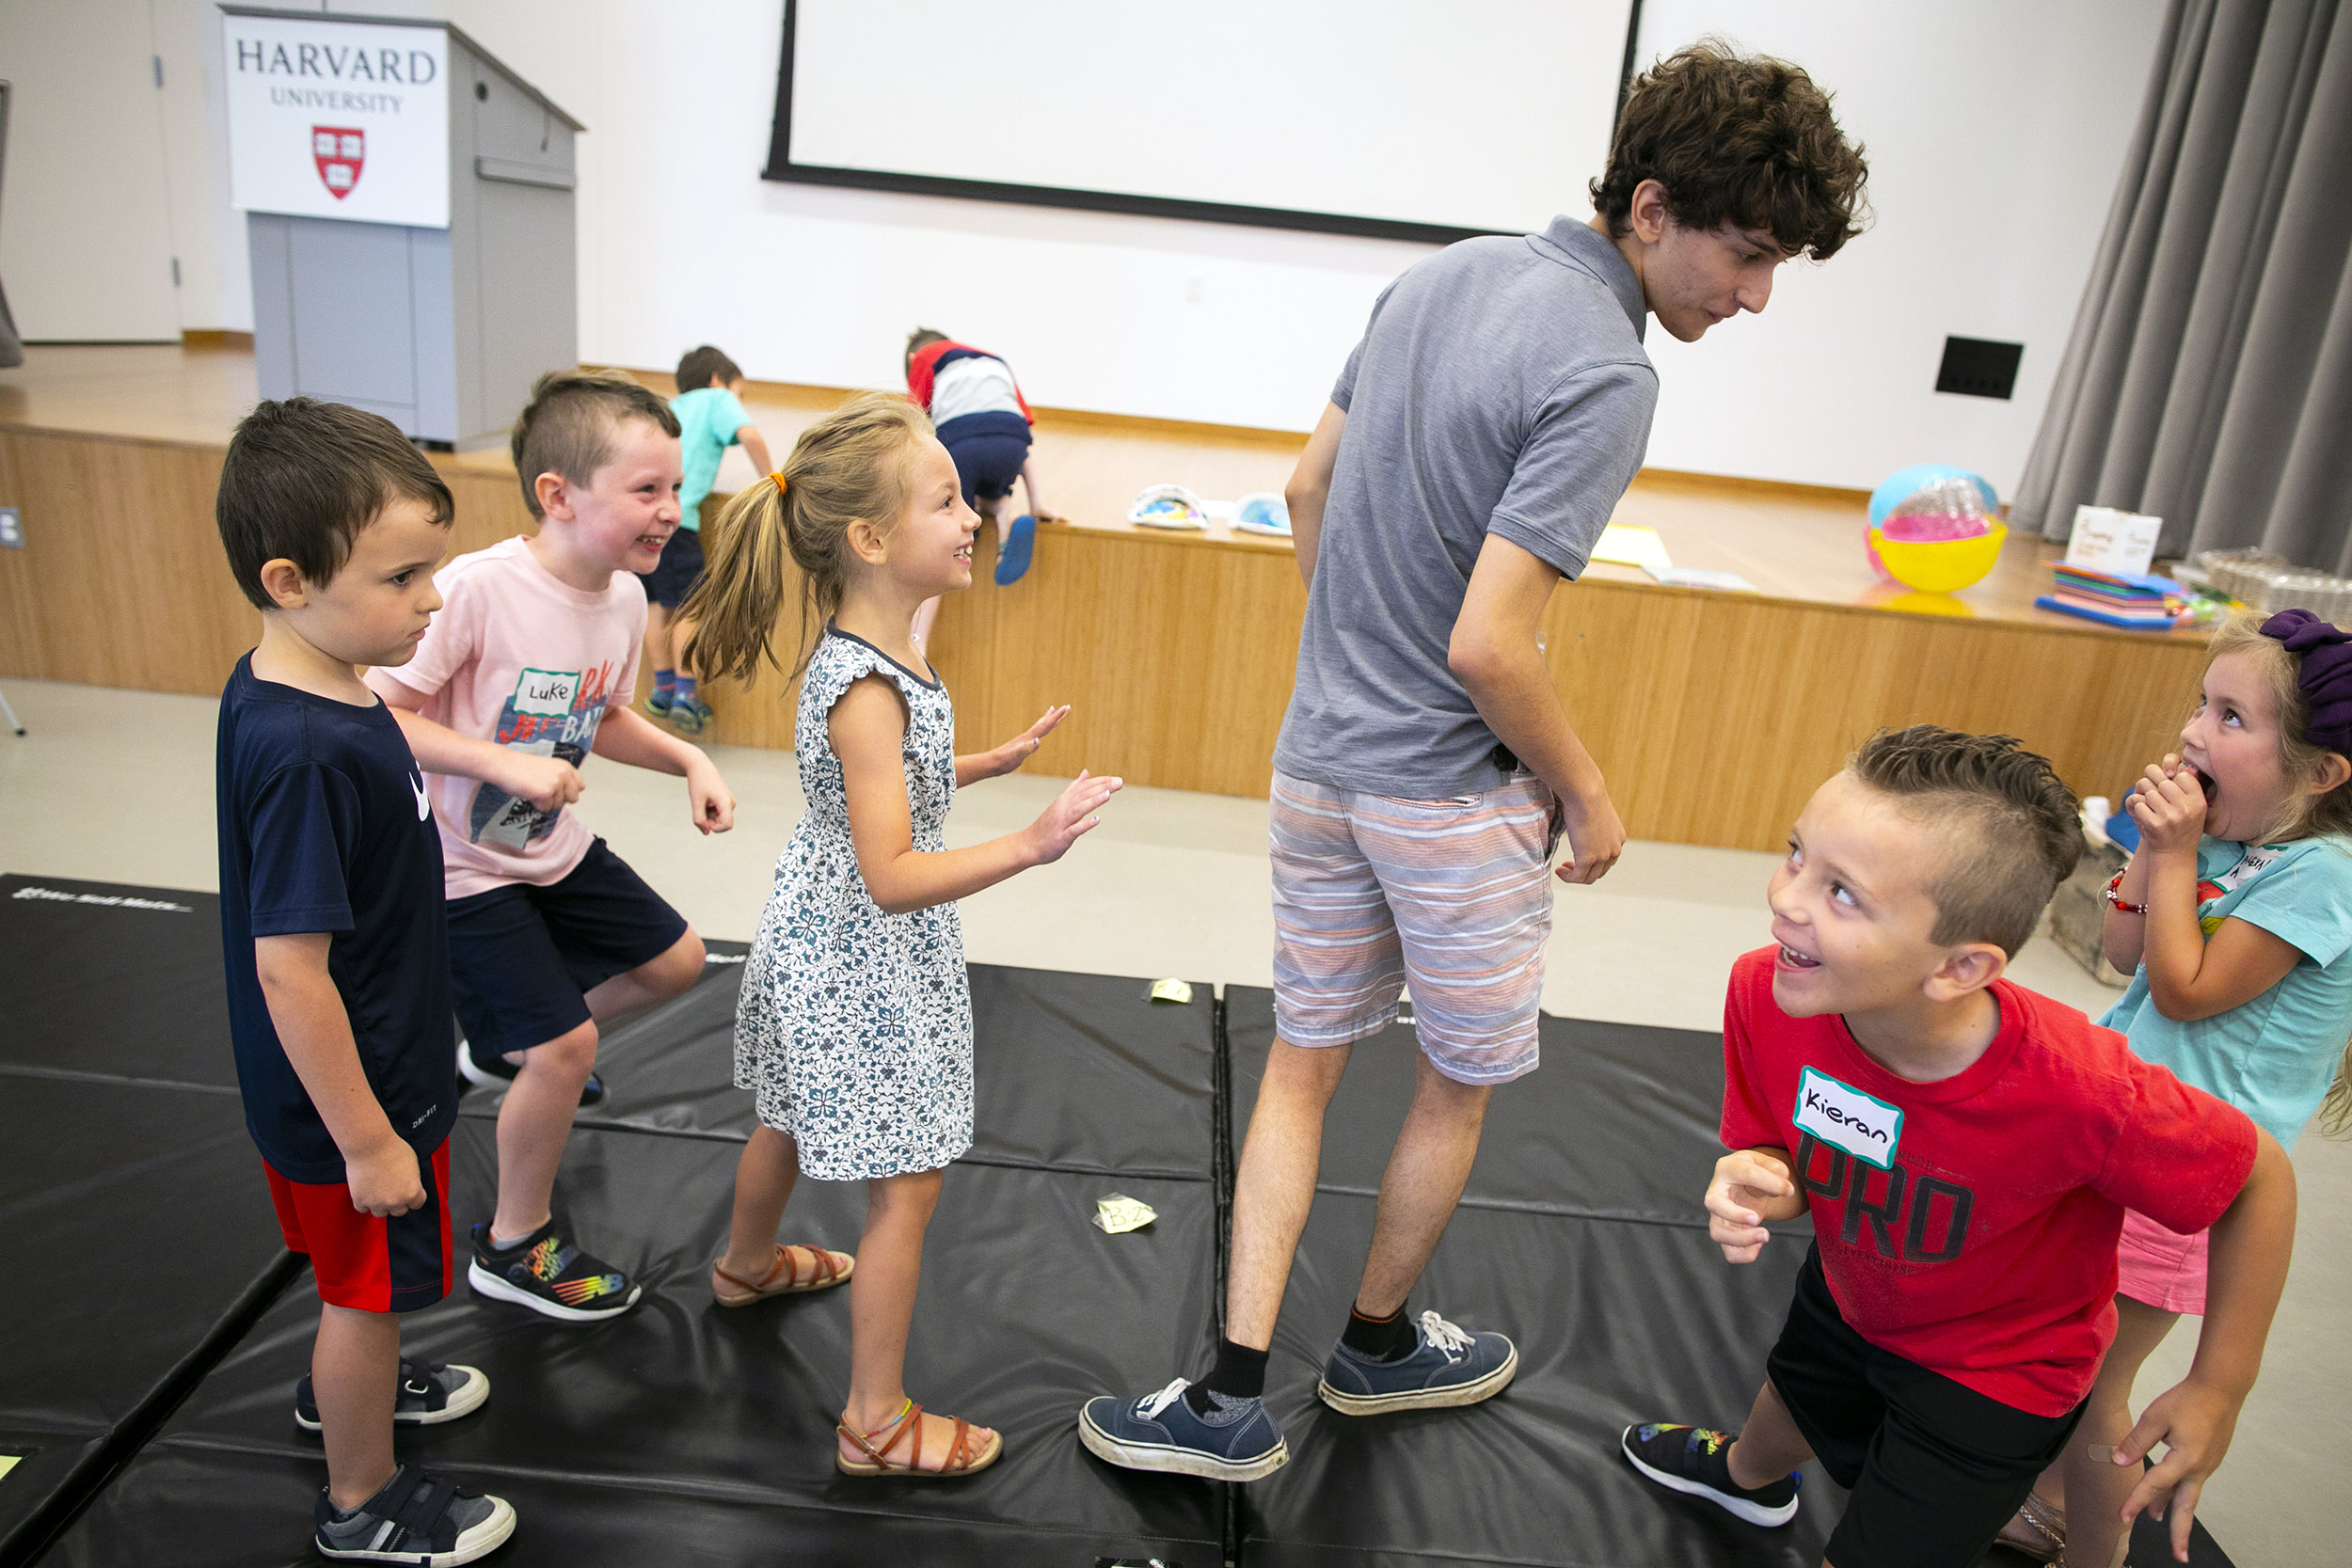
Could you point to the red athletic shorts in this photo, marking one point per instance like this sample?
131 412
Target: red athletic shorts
368 1261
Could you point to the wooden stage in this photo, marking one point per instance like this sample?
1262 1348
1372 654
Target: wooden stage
1713 715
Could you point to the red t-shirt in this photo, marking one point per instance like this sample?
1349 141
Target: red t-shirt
1970 1225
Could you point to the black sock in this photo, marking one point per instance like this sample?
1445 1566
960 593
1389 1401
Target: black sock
1389 1338
1239 1374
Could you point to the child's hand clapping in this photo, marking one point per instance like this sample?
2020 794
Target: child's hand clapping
1008 757
1068 819
1748 1189
2169 805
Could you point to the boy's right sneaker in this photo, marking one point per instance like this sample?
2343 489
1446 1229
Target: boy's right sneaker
656 706
427 1396
548 1274
1235 1441
690 715
1697 1460
418 1518
496 1072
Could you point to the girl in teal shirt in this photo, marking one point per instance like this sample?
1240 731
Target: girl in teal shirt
2235 918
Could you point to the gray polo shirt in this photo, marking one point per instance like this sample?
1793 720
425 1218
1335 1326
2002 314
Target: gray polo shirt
1499 387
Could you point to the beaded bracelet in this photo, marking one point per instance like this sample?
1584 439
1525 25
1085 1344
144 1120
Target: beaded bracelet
2115 898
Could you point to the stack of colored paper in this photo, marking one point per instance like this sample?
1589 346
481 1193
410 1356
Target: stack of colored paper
2143 603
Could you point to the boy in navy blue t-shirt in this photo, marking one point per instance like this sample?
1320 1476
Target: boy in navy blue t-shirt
338 948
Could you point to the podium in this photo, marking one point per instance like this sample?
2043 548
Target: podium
408 203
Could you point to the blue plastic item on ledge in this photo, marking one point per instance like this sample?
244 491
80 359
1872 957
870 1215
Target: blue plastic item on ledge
2122 831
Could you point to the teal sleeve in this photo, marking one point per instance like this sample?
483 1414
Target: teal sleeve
2307 902
727 418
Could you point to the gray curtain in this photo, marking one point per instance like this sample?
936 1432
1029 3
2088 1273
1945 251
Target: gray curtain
2208 379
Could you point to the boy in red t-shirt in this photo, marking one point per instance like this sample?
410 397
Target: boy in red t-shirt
1967 1150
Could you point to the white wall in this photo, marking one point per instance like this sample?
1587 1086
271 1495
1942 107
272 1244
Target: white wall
86 234
1994 129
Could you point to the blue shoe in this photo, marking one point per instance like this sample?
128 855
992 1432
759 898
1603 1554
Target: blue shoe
690 715
656 706
1237 1441
1449 1366
1012 561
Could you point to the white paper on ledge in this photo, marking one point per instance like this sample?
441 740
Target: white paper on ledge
1624 544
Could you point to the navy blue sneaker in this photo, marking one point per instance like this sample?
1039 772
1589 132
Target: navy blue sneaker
1449 1367
1235 1441
1697 1460
428 1396
1012 561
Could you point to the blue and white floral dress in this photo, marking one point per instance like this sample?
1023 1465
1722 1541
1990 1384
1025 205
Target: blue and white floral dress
855 1029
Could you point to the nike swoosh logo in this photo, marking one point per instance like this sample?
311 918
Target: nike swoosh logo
424 806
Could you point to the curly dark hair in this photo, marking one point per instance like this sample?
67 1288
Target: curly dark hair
1742 139
2009 825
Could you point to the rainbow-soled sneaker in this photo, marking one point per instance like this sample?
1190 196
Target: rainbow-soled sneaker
1697 1460
548 1274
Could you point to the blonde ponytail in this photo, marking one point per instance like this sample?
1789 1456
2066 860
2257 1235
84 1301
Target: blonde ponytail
847 466
2335 1111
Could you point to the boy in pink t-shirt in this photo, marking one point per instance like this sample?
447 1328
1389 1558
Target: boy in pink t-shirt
527 669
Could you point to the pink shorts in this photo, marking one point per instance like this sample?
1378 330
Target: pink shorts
1454 895
2163 1268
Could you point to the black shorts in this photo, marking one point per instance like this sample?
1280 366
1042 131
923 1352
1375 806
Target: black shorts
1935 1468
986 465
675 574
523 958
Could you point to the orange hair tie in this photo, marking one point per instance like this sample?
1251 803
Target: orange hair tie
778 477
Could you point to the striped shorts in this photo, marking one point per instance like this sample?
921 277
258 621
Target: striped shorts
1453 896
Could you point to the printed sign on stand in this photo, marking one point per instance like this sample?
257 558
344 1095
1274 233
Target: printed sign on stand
2107 540
337 119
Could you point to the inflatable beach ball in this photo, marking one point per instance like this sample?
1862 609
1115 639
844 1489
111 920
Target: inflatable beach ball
1934 526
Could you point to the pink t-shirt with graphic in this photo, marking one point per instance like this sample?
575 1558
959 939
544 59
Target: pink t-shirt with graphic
518 658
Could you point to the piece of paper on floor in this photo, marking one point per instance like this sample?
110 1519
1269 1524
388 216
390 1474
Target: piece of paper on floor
1115 1212
1624 544
1171 990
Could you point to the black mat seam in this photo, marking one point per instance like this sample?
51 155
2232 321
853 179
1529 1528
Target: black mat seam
675 1486
128 1436
704 1134
1445 1556
1542 1210
119 1079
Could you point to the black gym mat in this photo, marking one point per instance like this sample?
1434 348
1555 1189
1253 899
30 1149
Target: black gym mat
684 1432
720 1422
1076 1072
140 1243
113 982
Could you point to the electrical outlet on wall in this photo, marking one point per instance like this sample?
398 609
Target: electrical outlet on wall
11 528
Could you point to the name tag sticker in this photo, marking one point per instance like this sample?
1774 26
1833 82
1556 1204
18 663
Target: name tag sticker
1840 1114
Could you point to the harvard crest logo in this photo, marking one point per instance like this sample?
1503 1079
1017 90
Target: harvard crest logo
338 152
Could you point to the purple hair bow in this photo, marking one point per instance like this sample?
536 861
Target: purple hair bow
2325 656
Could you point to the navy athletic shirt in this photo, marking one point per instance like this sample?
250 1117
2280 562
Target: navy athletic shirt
325 827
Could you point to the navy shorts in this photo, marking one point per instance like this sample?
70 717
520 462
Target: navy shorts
522 960
680 569
1935 1468
987 464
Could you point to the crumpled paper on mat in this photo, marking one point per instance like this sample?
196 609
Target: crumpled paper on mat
1171 990
1115 1212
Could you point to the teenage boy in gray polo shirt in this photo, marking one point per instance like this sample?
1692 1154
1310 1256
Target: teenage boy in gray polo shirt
1478 439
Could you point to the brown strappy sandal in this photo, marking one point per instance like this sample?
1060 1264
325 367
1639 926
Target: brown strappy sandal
2046 1523
832 1268
963 1458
